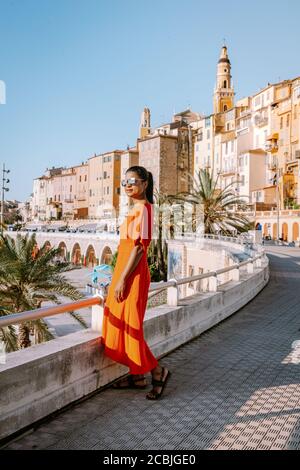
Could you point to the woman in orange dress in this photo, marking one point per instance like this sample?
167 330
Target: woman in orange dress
126 302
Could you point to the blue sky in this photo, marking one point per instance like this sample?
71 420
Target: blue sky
79 72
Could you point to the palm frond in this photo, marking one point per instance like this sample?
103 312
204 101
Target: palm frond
41 330
28 279
8 334
79 318
216 204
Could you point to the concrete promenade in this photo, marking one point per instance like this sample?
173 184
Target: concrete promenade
237 386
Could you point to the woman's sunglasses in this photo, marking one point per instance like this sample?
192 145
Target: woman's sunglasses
131 181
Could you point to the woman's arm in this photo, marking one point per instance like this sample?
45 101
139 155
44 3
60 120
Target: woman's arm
133 260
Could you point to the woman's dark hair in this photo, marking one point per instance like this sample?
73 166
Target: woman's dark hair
146 176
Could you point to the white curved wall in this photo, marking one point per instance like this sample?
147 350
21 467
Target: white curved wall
44 378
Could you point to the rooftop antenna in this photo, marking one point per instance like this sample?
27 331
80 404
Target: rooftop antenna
224 42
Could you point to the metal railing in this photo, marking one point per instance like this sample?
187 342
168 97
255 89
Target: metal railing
240 240
225 238
93 235
155 288
49 311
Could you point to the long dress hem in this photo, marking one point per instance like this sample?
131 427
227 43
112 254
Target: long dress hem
122 359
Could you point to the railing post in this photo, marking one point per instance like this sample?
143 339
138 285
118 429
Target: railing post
172 294
236 274
250 267
97 314
258 263
213 283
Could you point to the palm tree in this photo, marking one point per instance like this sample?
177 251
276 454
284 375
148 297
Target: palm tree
3 226
113 260
158 251
8 334
29 277
167 225
221 209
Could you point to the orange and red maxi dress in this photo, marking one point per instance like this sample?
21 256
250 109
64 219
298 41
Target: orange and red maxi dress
122 333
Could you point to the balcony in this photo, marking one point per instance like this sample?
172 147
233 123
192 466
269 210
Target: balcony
245 113
261 121
272 166
55 203
271 148
242 130
228 171
291 163
69 200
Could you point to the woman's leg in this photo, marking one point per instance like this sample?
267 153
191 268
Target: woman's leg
160 376
131 381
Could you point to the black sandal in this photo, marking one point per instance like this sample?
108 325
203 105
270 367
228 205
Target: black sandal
131 383
158 383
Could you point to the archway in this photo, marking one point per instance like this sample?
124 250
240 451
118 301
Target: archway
35 251
90 257
295 231
63 250
274 231
106 255
285 231
47 245
76 254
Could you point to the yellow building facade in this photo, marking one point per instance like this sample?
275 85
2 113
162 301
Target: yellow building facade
104 185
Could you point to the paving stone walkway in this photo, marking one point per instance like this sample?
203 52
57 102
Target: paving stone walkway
237 386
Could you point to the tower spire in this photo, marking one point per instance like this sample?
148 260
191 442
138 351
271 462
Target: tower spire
224 92
145 125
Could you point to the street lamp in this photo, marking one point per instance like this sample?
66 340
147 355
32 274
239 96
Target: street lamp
4 188
277 197
273 148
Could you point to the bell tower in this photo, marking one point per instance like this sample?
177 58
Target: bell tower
145 126
224 92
